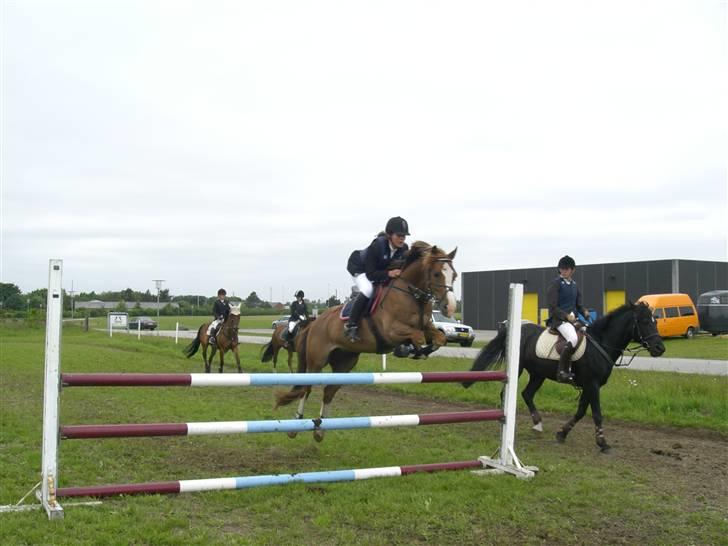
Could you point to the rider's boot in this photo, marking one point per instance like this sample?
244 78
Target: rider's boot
563 375
351 328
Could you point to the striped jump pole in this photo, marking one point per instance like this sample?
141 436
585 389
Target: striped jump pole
247 482
72 432
269 379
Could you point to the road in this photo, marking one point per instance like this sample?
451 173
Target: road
641 363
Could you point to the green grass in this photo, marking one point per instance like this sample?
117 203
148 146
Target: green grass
579 497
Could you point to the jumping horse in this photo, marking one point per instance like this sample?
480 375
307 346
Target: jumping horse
270 350
401 316
226 340
607 339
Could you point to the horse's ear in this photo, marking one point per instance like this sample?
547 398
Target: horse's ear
452 254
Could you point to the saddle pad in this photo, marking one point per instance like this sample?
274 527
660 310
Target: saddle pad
546 347
371 308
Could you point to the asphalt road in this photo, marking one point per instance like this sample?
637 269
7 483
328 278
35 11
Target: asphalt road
642 363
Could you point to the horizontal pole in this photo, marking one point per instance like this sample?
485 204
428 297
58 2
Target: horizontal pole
246 482
269 379
71 432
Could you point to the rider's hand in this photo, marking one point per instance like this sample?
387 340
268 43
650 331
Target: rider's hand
394 273
571 317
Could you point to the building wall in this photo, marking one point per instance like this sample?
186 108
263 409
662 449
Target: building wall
485 293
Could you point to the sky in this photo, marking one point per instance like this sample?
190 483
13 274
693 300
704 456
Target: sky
254 145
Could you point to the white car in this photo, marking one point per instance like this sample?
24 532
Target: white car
454 331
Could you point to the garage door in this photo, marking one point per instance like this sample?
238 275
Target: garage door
612 299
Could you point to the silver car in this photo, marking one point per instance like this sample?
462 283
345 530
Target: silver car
454 331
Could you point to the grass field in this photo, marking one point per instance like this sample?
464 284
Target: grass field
579 497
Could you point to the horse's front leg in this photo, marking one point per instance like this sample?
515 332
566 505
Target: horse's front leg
237 358
584 400
329 393
596 408
207 361
528 394
290 358
434 337
222 360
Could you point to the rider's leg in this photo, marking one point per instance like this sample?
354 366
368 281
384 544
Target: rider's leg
212 331
564 375
366 289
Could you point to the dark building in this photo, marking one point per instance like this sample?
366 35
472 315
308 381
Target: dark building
603 287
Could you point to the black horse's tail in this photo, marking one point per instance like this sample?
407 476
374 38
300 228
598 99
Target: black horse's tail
191 349
267 352
492 354
296 392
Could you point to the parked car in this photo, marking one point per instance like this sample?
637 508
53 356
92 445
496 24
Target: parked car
713 311
282 320
454 331
675 314
146 323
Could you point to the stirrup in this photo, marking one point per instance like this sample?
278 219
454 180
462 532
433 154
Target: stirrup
352 333
565 377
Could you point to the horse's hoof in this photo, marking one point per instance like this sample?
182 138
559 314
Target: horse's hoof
538 427
605 448
318 436
292 434
560 437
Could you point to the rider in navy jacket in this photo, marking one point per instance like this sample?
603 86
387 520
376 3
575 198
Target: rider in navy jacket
370 266
220 311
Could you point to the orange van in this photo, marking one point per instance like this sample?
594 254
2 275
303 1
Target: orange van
675 314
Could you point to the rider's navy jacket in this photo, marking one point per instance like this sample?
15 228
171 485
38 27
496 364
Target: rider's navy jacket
298 309
374 259
221 309
563 298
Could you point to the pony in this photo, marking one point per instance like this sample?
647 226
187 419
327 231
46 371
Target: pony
607 339
270 350
402 315
227 340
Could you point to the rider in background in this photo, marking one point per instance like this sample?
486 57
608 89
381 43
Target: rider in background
220 312
369 267
299 312
564 300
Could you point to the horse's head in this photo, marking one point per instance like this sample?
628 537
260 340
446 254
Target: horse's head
437 274
645 329
234 316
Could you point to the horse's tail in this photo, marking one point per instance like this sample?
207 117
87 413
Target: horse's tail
267 352
191 349
285 398
490 355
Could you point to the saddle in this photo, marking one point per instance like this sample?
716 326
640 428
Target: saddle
372 305
551 343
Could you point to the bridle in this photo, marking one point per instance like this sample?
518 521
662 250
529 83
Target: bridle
633 351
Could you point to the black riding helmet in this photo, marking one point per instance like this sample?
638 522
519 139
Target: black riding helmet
397 225
299 294
567 262
221 292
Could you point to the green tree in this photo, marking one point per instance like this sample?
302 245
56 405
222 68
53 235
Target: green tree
253 300
333 301
7 290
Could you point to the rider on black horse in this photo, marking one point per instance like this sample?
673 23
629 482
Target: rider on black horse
564 300
299 313
369 267
220 311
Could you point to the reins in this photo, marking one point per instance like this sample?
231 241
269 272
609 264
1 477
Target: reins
633 351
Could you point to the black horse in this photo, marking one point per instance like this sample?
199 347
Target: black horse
613 332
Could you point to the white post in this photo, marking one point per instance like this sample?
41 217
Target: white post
111 325
176 332
384 362
139 328
513 350
49 464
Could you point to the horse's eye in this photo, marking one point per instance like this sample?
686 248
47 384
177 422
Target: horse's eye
438 274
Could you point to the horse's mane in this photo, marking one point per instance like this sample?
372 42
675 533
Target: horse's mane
421 249
602 323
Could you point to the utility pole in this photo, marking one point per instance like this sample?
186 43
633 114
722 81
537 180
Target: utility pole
158 282
73 302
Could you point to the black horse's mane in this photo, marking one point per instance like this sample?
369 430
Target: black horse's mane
602 323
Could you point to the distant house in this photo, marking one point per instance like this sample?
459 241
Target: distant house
98 304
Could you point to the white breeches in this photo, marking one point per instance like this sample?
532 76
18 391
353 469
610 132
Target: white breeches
212 326
291 325
364 285
567 330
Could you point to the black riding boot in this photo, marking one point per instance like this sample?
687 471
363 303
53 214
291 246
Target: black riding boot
563 375
351 328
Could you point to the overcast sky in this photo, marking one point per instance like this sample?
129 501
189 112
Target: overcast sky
254 145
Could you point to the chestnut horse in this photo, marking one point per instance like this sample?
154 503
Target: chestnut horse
402 316
226 340
276 343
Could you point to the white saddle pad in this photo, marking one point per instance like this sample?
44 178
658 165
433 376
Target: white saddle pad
546 347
